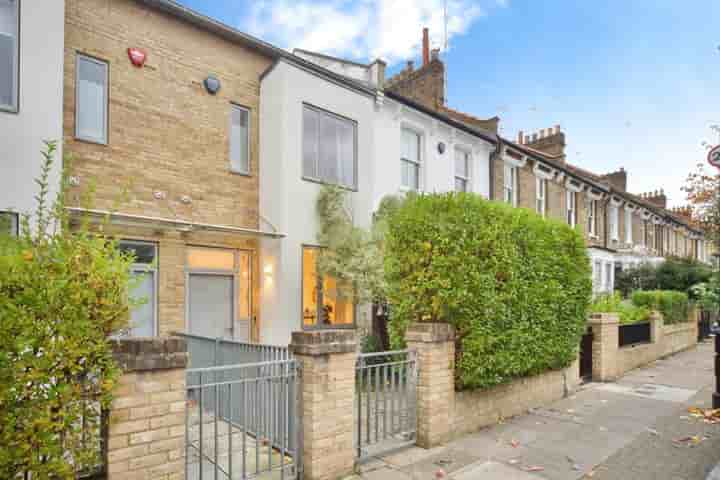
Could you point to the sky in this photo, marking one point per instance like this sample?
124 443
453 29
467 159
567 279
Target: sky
633 83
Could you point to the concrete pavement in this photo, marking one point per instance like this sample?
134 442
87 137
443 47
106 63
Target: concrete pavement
635 428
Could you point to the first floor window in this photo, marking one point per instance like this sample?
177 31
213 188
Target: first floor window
91 98
628 226
540 195
614 223
9 54
592 218
597 274
144 271
609 277
462 171
329 144
510 184
571 199
325 300
9 224
240 139
410 160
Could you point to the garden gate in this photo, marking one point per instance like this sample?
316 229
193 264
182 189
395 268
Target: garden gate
242 415
385 401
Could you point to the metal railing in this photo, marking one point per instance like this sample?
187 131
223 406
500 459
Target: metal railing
214 352
385 401
634 333
241 421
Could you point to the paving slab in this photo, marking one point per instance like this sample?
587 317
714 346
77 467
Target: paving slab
492 471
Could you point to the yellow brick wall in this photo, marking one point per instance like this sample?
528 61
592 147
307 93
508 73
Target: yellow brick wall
166 133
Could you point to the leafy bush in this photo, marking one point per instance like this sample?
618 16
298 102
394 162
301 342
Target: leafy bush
614 303
515 286
678 274
674 306
61 294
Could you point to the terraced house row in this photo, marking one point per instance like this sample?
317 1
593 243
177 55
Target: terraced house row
206 148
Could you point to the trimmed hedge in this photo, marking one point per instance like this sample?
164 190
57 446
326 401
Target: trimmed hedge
614 303
674 306
515 286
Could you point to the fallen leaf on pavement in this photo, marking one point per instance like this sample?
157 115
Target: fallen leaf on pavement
440 473
652 431
534 468
513 461
514 443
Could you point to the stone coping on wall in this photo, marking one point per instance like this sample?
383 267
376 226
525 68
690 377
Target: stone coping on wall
430 332
137 354
323 342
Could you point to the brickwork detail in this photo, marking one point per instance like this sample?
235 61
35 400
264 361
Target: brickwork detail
326 401
146 437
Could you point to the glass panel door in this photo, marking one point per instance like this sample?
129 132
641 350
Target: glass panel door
142 318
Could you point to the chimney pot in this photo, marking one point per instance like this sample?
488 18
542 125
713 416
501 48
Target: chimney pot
410 65
557 129
527 139
520 137
534 137
434 54
426 46
542 133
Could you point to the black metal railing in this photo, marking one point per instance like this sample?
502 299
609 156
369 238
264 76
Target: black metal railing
634 333
704 325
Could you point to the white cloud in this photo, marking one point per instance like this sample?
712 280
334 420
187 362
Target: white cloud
362 29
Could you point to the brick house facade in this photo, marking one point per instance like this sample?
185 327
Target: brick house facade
164 169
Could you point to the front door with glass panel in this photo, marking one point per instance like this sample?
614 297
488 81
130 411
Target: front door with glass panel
219 293
144 293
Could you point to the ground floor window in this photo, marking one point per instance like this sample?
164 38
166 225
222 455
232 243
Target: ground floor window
9 224
219 292
325 301
143 318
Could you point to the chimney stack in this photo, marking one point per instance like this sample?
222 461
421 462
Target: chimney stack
520 137
656 197
617 179
548 140
426 46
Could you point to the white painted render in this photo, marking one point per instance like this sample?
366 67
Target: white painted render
287 202
39 116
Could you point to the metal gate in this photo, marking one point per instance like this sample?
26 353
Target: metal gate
586 355
385 401
242 415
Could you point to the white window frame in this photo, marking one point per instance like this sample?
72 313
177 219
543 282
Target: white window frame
592 218
540 196
608 275
418 163
106 110
317 178
510 184
466 180
15 106
598 275
571 207
14 222
628 226
233 167
614 219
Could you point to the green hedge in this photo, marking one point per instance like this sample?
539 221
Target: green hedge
515 286
674 306
614 303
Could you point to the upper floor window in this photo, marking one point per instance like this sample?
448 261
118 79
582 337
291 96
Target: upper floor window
592 218
240 139
571 202
462 171
540 195
9 54
628 226
91 100
329 147
410 160
9 224
510 184
614 235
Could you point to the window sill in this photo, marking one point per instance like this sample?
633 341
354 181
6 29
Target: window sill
10 110
92 142
239 172
320 182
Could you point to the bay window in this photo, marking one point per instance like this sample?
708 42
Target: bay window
410 160
592 218
628 226
329 148
614 223
9 54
